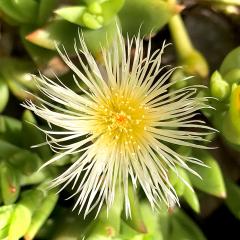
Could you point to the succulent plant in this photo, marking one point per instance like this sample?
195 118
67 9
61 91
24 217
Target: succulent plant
32 32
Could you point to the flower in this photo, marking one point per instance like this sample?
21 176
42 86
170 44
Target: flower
123 124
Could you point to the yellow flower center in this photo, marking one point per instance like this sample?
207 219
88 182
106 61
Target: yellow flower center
121 119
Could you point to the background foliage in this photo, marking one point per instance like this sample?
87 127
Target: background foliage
205 37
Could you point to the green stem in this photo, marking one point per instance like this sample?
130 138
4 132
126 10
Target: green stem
180 36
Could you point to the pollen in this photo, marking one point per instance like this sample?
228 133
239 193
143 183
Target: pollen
121 118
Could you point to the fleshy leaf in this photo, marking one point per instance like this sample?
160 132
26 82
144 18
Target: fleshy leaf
104 226
7 6
45 10
25 161
231 61
16 73
31 136
5 215
10 130
27 8
63 32
20 221
73 14
10 184
183 228
40 215
212 179
148 15
233 198
219 88
4 95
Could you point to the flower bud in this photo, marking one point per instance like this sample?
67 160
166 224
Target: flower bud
218 87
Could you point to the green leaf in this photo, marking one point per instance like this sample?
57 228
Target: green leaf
190 196
93 16
104 226
147 15
73 14
23 11
32 199
20 222
25 161
212 179
4 233
231 61
8 7
27 8
4 95
135 221
183 228
10 130
127 232
232 76
56 32
10 184
16 72
41 215
110 8
219 88
7 149
38 54
5 215
151 220
46 8
31 136
22 215
234 108
233 198
63 32
29 117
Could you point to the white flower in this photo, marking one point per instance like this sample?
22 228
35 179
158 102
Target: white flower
123 124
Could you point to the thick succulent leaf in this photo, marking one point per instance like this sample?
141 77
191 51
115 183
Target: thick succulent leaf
27 8
234 108
75 14
10 130
10 10
63 33
230 127
110 8
41 215
212 179
151 220
189 195
147 15
233 197
93 16
219 88
104 226
25 161
4 95
135 221
45 10
20 221
10 184
38 54
24 11
5 215
16 73
231 61
183 228
31 136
